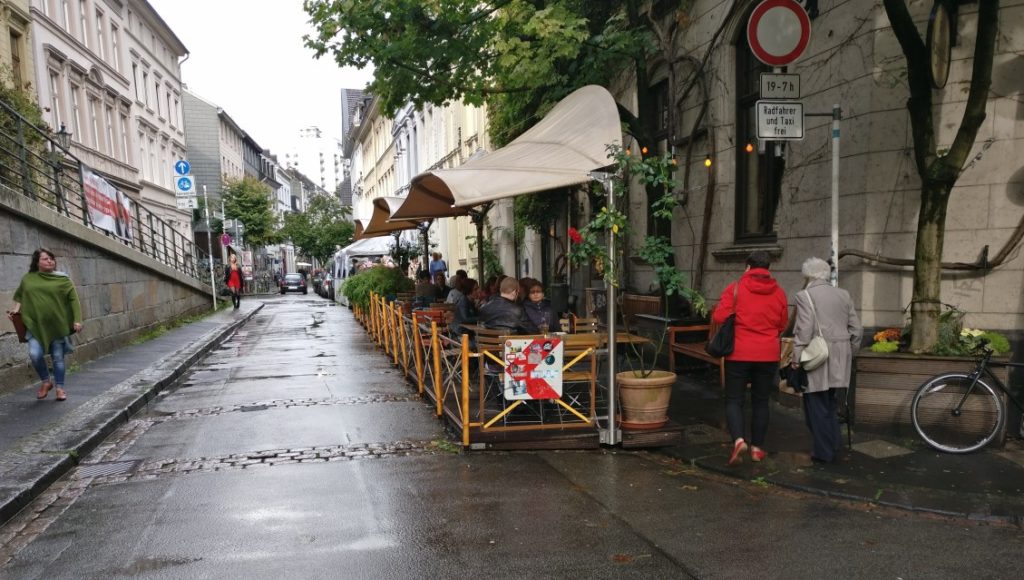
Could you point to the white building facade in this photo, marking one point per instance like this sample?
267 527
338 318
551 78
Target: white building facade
86 54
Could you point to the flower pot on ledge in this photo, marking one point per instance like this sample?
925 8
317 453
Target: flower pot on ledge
644 400
885 384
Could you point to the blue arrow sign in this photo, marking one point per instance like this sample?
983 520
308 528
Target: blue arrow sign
185 184
182 167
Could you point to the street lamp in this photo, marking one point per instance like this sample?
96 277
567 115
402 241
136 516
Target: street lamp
63 137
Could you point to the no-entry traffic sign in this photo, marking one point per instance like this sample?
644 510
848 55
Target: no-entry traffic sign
778 31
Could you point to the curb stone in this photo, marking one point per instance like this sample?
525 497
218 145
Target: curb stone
95 420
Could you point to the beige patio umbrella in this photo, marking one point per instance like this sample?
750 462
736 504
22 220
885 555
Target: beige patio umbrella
563 149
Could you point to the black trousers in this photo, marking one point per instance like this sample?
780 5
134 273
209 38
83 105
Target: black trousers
761 377
820 416
236 299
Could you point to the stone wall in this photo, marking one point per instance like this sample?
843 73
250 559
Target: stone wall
123 292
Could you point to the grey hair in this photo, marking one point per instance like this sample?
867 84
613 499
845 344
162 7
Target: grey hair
816 269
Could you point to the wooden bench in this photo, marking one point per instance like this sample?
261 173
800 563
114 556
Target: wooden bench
694 349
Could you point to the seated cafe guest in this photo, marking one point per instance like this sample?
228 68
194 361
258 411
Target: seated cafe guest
462 297
503 313
441 284
426 293
537 308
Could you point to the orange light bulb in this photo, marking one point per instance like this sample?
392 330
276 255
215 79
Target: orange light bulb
749 148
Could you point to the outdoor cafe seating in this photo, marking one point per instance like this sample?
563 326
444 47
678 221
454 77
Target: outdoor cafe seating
469 387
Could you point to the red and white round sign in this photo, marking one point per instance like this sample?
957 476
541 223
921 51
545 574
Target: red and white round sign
778 31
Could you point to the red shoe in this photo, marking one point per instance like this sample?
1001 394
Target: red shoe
737 450
757 454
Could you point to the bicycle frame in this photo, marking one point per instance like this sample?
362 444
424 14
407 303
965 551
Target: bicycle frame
982 368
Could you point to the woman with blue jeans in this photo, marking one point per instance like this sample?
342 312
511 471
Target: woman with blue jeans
49 307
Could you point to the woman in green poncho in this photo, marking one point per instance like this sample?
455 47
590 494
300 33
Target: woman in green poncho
49 307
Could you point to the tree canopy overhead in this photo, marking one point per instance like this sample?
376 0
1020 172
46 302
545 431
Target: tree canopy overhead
528 53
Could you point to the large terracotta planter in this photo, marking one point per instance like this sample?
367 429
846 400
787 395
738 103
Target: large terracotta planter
885 384
644 400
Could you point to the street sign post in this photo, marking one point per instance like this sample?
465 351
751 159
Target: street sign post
780 120
182 167
780 86
184 184
778 31
187 202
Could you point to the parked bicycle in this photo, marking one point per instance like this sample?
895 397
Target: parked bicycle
960 412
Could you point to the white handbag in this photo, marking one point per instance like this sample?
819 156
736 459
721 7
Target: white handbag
815 353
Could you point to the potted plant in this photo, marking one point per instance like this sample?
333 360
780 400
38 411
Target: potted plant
385 281
889 372
644 391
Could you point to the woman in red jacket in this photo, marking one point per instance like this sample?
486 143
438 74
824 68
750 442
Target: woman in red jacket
761 317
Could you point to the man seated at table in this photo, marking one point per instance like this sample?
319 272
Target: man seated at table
426 292
503 313
441 286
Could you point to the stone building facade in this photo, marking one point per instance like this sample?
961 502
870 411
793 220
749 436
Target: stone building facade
16 57
759 196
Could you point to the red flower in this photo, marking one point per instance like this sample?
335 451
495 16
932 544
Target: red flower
575 236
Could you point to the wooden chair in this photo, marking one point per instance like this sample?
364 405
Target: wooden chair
698 336
586 325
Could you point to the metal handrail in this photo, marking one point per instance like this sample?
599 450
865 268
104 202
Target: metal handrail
34 164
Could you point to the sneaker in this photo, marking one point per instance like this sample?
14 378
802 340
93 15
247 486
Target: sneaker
737 450
757 454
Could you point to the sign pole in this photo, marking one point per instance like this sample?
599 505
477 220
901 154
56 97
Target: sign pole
837 115
611 435
209 248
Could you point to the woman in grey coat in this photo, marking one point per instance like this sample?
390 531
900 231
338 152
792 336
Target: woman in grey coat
820 305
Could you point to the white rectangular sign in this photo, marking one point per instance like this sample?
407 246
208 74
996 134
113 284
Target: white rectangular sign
780 86
187 202
780 120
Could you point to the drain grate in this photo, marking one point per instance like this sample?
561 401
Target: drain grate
107 468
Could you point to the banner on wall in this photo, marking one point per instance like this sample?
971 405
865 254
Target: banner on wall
109 208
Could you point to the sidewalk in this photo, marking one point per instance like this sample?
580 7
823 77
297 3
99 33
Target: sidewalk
40 440
896 471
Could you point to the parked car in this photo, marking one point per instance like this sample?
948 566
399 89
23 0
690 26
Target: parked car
293 283
327 287
316 280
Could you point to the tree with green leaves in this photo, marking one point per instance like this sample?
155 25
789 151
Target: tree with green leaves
316 231
518 56
249 201
938 170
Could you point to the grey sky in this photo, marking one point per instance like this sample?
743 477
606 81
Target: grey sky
247 57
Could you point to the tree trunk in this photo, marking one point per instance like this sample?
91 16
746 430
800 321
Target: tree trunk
938 172
931 228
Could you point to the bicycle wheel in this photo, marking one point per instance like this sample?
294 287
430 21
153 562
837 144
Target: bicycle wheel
945 428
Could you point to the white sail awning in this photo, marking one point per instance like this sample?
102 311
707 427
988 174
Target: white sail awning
561 150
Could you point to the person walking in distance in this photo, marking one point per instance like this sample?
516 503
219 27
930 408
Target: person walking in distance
49 307
761 317
233 280
437 266
826 310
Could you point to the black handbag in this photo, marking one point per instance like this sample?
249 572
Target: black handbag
722 343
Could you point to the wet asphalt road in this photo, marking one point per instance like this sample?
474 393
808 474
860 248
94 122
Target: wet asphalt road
295 450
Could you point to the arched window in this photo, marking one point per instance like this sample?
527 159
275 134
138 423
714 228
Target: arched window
759 167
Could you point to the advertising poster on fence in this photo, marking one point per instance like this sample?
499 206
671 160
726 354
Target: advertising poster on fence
534 369
247 264
109 209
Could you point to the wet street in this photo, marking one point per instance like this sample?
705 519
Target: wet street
296 450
